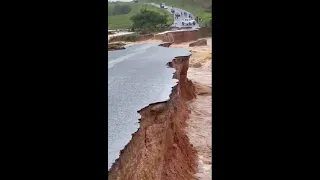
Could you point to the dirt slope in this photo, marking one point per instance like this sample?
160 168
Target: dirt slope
174 138
199 124
160 149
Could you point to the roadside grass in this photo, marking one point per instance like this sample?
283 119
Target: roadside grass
127 37
124 22
115 46
130 37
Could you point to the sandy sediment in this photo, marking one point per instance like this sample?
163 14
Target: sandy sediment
199 123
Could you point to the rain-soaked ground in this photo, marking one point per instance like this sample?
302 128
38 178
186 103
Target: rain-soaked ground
137 76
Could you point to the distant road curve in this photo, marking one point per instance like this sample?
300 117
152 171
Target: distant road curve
178 22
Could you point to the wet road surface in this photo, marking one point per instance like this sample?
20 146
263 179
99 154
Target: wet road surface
137 77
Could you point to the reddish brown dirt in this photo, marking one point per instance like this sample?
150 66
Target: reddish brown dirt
199 124
183 36
160 149
178 36
175 37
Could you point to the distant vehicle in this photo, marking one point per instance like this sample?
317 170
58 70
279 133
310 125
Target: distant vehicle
162 5
172 10
188 22
136 1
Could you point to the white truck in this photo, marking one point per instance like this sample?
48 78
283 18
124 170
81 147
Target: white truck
162 5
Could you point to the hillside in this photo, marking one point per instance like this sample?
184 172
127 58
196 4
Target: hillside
183 3
123 21
196 7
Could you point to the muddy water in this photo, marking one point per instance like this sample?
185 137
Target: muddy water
137 76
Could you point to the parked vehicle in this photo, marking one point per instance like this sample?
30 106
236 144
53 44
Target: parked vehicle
188 22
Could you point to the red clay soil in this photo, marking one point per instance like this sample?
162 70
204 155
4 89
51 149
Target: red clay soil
184 36
172 36
178 36
160 149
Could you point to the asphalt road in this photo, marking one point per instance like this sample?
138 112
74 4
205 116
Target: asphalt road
178 22
137 77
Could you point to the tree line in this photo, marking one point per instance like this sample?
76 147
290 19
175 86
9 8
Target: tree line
149 21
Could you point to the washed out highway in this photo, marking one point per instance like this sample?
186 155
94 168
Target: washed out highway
137 77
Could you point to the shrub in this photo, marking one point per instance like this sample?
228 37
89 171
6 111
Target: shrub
149 21
130 37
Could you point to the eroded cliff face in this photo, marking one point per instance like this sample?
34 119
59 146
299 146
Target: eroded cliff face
160 149
178 36
184 36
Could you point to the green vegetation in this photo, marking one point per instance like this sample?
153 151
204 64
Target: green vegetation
123 21
120 9
148 22
115 46
200 8
129 37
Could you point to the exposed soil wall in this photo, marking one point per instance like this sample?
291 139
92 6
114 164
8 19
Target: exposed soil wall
160 149
171 36
205 32
178 36
184 36
145 37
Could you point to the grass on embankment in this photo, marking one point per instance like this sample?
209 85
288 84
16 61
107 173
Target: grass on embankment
124 22
193 6
127 37
115 46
